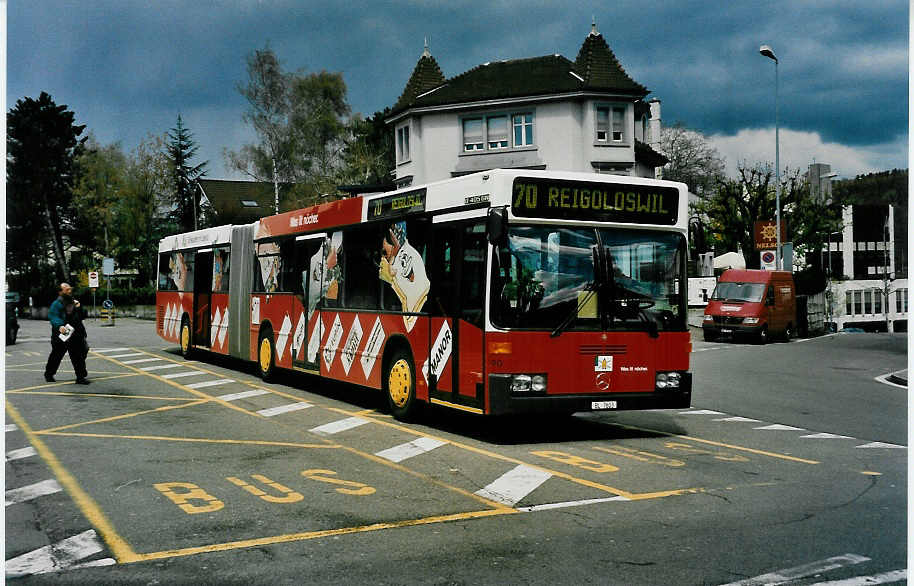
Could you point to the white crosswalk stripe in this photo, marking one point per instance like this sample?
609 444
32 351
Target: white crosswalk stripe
514 485
161 367
339 426
59 556
273 411
410 449
243 395
183 374
20 454
211 383
32 491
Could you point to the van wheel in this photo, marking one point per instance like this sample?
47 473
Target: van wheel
400 385
762 336
710 336
266 356
184 338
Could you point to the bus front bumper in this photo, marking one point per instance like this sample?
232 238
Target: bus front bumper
503 402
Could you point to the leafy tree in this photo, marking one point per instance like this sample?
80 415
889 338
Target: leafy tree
691 159
267 93
369 154
99 187
42 144
734 205
318 123
303 128
181 148
142 211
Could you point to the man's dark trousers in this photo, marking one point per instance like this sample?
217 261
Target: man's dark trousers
76 347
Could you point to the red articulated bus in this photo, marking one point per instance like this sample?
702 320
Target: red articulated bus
499 292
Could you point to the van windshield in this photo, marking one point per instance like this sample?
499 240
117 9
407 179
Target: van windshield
739 292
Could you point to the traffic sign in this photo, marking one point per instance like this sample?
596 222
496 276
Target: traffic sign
107 304
93 278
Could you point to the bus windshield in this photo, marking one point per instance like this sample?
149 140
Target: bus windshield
739 292
544 277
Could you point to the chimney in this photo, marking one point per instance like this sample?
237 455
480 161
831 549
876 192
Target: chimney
655 123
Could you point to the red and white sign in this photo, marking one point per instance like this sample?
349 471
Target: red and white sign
93 279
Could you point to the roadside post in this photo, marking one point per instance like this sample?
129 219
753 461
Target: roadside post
107 304
93 284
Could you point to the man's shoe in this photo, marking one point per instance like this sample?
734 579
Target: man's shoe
49 379
82 381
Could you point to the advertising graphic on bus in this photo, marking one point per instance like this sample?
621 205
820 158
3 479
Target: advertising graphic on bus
493 293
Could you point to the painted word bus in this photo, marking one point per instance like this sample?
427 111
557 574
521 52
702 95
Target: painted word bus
493 293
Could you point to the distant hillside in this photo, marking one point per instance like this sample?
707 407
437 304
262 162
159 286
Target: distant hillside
886 187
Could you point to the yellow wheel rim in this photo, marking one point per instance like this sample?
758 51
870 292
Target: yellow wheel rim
266 355
399 382
185 338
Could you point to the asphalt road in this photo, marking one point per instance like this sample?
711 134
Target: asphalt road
789 468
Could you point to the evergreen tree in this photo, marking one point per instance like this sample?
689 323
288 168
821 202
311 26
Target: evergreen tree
42 143
180 149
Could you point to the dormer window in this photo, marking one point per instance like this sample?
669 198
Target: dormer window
497 131
611 124
403 143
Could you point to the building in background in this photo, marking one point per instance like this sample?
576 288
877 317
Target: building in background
547 112
867 265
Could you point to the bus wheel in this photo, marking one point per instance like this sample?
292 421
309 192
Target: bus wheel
266 356
400 385
185 338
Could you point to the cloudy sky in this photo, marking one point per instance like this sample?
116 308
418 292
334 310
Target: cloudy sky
127 68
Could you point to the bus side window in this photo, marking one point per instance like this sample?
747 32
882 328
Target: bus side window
220 270
442 271
473 273
166 277
363 287
287 266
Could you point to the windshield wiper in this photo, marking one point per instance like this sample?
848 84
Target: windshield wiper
574 314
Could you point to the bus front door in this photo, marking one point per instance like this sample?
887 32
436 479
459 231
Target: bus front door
203 290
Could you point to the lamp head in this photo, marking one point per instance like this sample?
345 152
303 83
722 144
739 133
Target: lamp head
767 51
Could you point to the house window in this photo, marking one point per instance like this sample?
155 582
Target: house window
877 301
849 302
523 129
611 124
858 302
472 134
868 301
901 301
498 131
403 144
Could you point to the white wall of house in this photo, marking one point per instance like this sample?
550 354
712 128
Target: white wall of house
564 139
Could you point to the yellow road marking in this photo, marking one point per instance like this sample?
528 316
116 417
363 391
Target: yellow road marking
317 534
192 440
90 509
641 456
99 395
125 416
69 382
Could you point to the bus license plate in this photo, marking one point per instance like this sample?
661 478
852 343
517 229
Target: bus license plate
595 405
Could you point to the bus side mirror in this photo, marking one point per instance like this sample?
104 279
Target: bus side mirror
497 226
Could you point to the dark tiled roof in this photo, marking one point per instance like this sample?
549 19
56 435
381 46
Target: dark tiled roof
596 69
228 199
427 75
600 69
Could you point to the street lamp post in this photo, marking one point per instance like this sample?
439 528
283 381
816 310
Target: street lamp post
767 51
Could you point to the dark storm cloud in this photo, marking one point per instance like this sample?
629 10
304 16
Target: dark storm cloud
128 67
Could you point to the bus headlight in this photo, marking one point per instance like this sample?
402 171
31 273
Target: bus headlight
668 380
526 383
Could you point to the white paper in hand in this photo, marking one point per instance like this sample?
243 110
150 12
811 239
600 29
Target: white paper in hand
66 335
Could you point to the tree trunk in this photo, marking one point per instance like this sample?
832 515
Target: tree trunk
50 216
275 189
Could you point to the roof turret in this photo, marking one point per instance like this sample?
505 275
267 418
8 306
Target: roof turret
600 69
426 76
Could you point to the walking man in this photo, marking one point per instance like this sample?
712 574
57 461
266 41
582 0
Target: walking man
65 316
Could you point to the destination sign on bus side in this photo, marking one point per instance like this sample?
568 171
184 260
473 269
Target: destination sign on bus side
391 206
602 202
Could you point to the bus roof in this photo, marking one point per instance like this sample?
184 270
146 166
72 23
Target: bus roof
640 201
197 239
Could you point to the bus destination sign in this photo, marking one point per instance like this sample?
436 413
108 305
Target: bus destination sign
534 197
392 206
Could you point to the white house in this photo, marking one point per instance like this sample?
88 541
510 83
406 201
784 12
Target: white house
535 113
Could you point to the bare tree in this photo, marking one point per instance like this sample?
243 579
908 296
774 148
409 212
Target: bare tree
692 160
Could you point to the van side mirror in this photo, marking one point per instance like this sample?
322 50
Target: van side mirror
497 226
